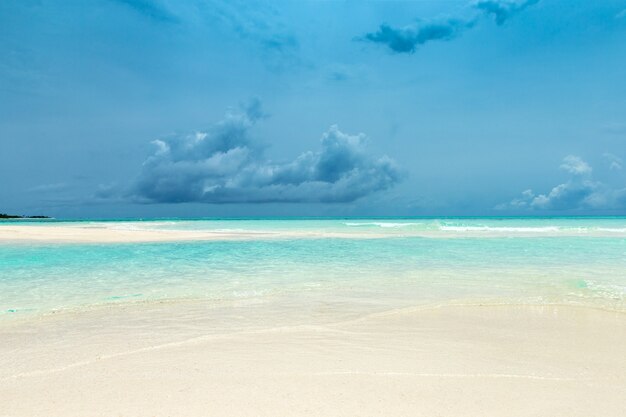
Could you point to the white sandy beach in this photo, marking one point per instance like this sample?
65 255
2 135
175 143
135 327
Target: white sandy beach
86 234
182 359
333 345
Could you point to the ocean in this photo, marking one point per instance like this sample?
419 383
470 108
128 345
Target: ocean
368 264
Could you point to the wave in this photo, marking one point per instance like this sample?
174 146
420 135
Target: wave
152 225
612 230
536 229
545 229
381 224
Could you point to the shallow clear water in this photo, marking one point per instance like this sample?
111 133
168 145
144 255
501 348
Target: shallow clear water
410 262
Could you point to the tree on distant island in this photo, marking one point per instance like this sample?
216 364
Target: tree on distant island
14 216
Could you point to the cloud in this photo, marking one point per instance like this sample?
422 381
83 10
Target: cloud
621 14
579 192
151 9
572 194
107 191
224 165
44 188
339 72
503 10
615 162
257 23
407 39
575 165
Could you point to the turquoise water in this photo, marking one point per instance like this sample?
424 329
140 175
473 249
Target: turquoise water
387 262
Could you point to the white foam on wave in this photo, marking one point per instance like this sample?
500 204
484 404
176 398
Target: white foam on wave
609 291
612 229
381 224
503 229
140 226
536 229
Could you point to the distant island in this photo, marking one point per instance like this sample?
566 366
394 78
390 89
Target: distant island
14 216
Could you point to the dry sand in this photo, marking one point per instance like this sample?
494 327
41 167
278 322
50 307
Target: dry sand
187 360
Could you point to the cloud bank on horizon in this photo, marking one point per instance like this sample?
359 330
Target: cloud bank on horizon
580 192
407 39
224 165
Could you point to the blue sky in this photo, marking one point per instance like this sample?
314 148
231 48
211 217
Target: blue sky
146 108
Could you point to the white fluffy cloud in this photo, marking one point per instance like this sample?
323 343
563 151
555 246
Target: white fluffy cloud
223 165
581 191
575 165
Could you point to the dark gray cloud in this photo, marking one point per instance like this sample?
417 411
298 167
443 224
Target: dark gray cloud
503 10
407 39
224 165
579 192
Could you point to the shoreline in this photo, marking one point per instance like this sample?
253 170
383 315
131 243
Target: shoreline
26 318
53 233
247 360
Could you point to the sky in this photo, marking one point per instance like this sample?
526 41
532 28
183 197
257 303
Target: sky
197 108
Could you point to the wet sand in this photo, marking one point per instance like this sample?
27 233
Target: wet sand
174 359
